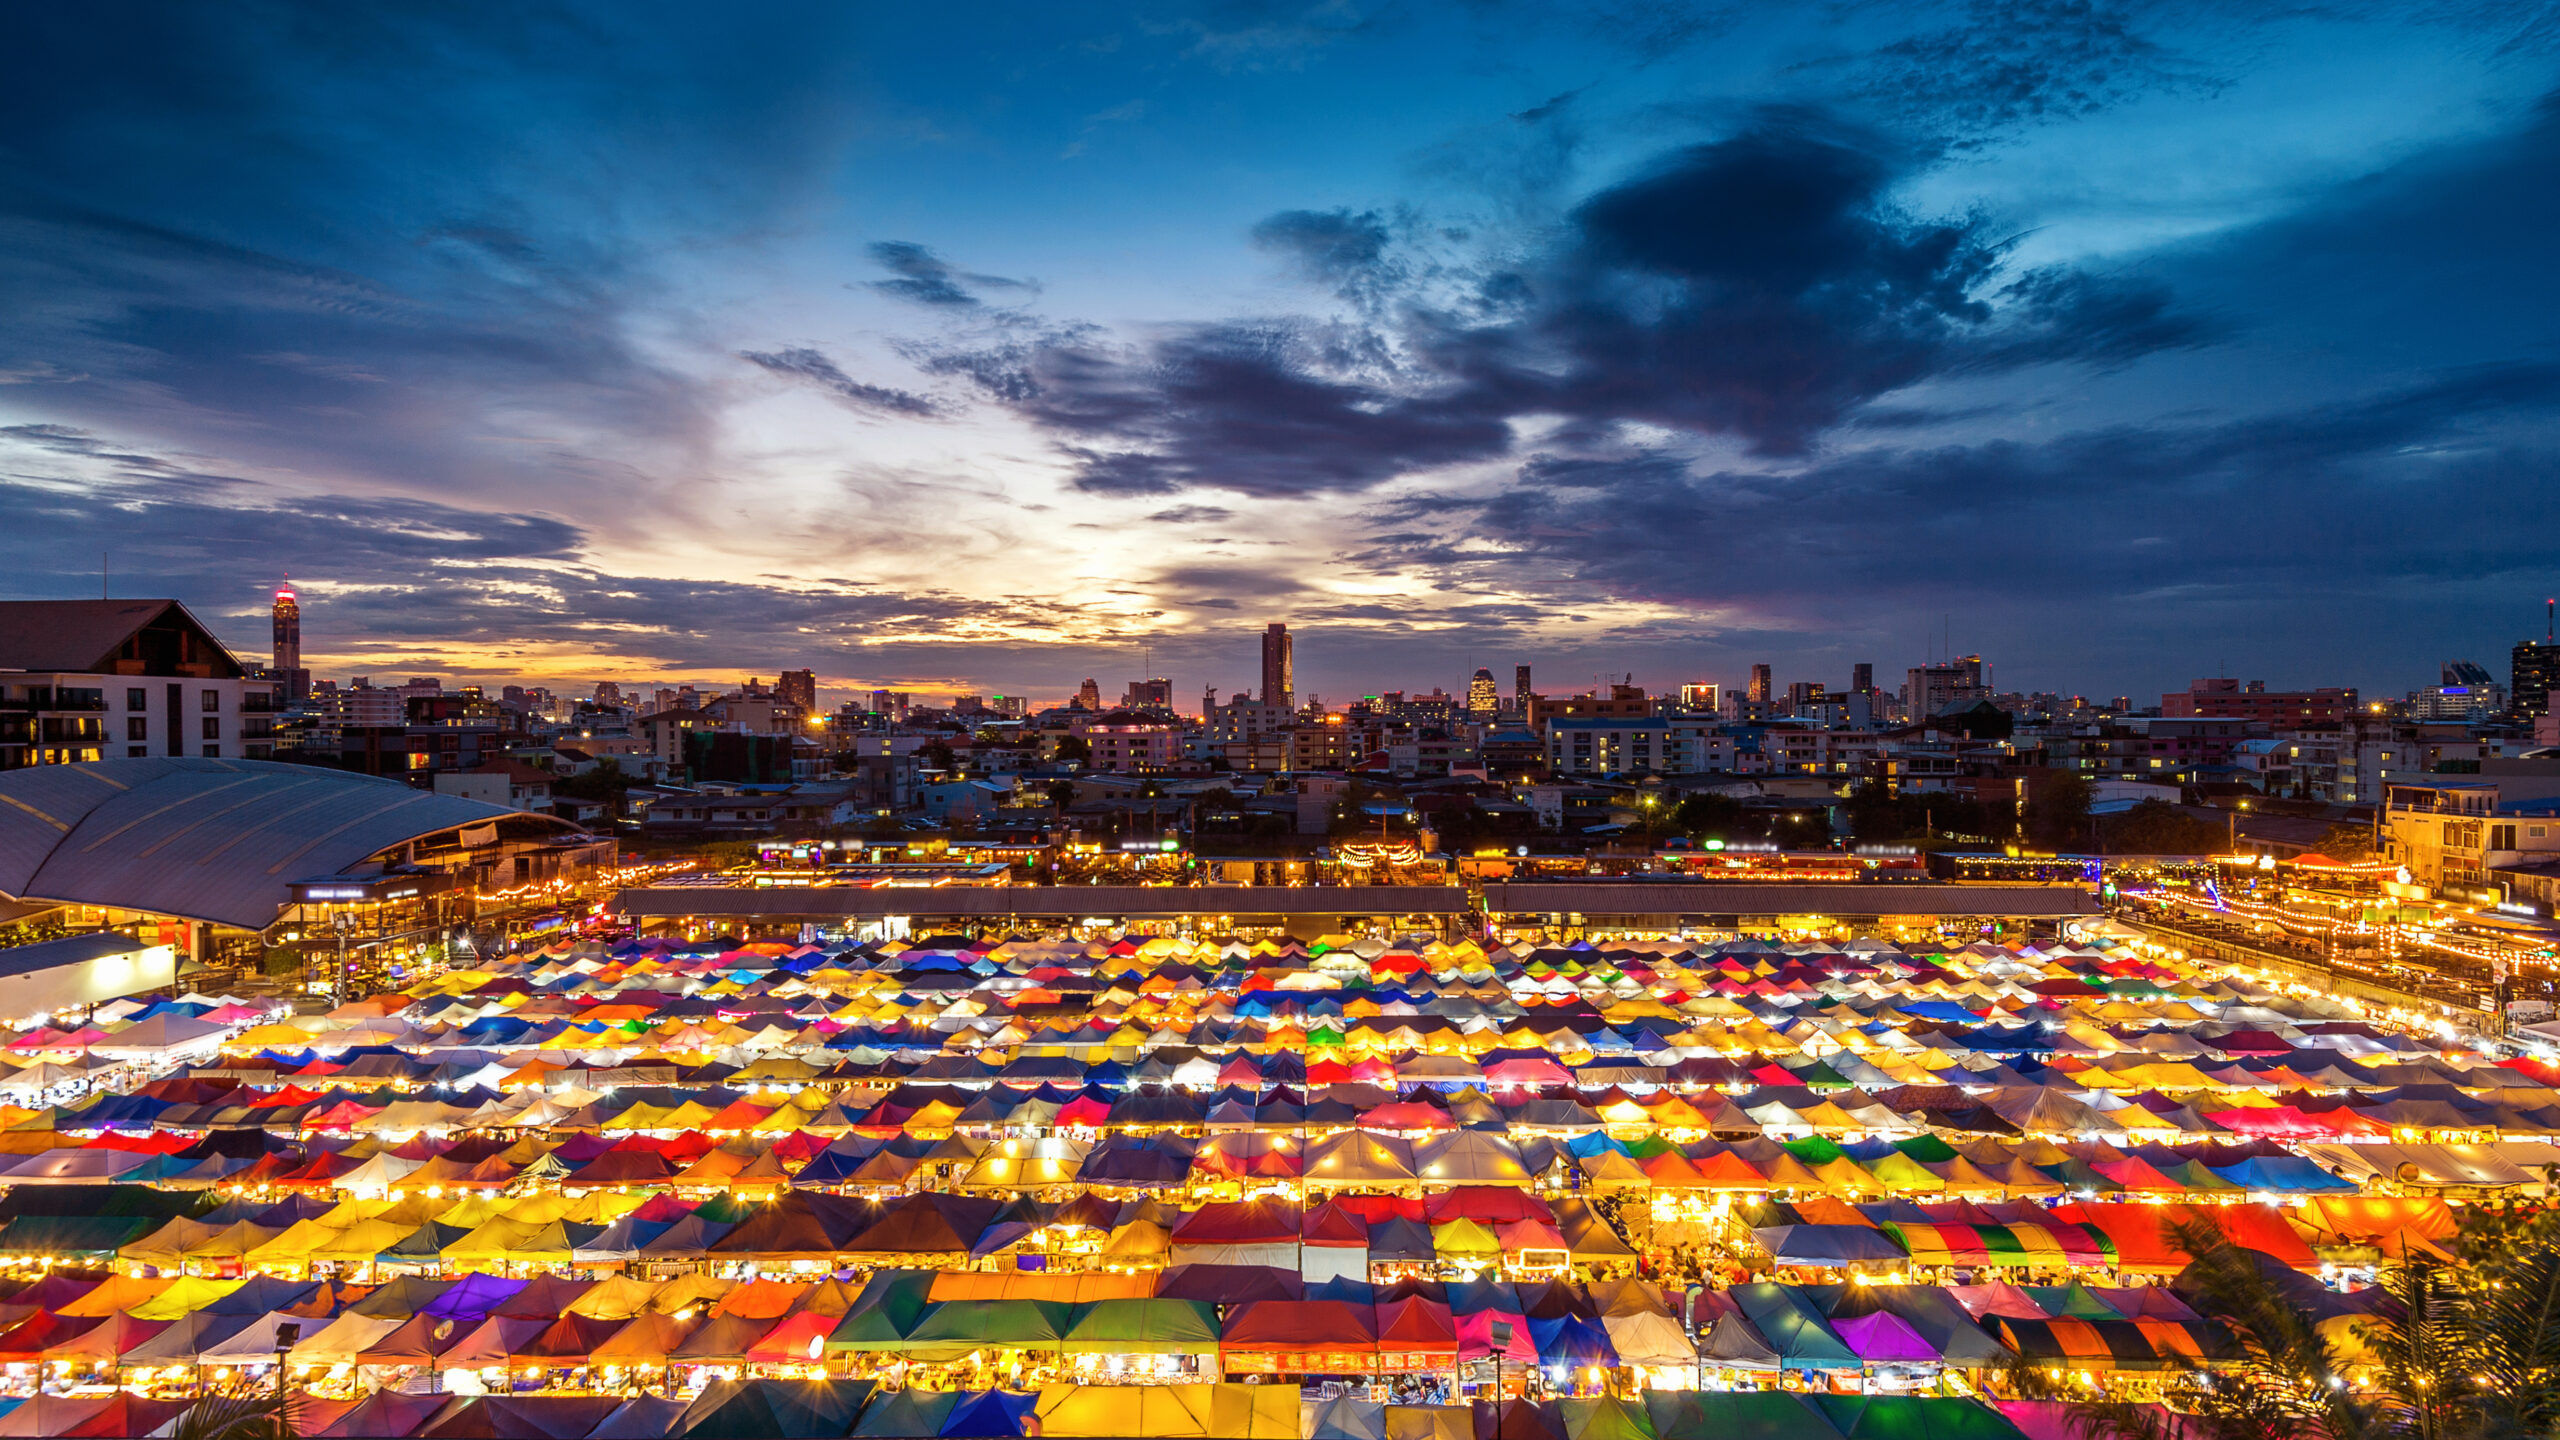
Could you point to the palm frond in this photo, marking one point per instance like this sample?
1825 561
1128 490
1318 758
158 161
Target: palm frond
2511 1320
262 1415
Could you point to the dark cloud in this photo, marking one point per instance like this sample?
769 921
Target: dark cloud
928 279
2011 63
1339 249
813 366
1258 410
1763 287
1192 515
2189 525
2058 313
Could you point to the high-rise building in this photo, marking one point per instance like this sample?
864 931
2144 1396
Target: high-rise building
2533 671
1484 698
1862 678
293 683
1702 697
1520 691
1929 689
608 694
1155 694
800 687
1089 694
1279 666
1759 693
1804 693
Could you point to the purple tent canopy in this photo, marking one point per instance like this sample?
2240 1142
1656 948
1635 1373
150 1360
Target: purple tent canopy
474 1298
1884 1338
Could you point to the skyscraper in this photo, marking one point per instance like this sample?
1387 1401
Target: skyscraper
2534 671
1862 678
1520 691
1484 698
1279 667
1089 694
293 683
1759 694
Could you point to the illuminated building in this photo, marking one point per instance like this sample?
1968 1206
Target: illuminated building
1484 698
101 679
2533 669
798 687
293 683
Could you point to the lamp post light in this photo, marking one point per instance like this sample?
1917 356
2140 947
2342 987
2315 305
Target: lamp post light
287 1333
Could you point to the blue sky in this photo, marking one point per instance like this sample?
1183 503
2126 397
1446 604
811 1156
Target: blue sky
993 349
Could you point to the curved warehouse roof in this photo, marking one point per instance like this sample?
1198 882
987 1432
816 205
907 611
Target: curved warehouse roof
218 840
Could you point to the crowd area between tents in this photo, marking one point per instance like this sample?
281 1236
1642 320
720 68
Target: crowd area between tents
1150 1187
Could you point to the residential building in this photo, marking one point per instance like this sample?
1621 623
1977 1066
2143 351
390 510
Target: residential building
798 687
1627 745
2533 668
1136 749
1702 698
1623 702
88 679
2448 831
1760 688
1930 689
1330 744
510 783
2227 699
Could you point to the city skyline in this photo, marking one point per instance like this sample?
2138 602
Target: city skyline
2126 345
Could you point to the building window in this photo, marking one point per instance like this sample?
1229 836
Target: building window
137 752
213 727
212 700
137 727
137 698
213 752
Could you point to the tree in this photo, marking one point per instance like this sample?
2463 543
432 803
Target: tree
606 783
936 755
1062 793
1072 750
2350 843
2058 810
1876 814
1707 816
2156 827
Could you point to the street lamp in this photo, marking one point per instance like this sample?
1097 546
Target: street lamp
287 1332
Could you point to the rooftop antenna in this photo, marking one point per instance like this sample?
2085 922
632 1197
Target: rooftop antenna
2546 620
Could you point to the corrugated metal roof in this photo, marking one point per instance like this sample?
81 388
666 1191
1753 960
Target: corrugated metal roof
1042 902
69 950
218 840
1819 898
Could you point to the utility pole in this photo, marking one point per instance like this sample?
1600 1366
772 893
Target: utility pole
342 922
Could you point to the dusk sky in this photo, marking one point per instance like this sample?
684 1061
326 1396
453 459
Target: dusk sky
980 347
